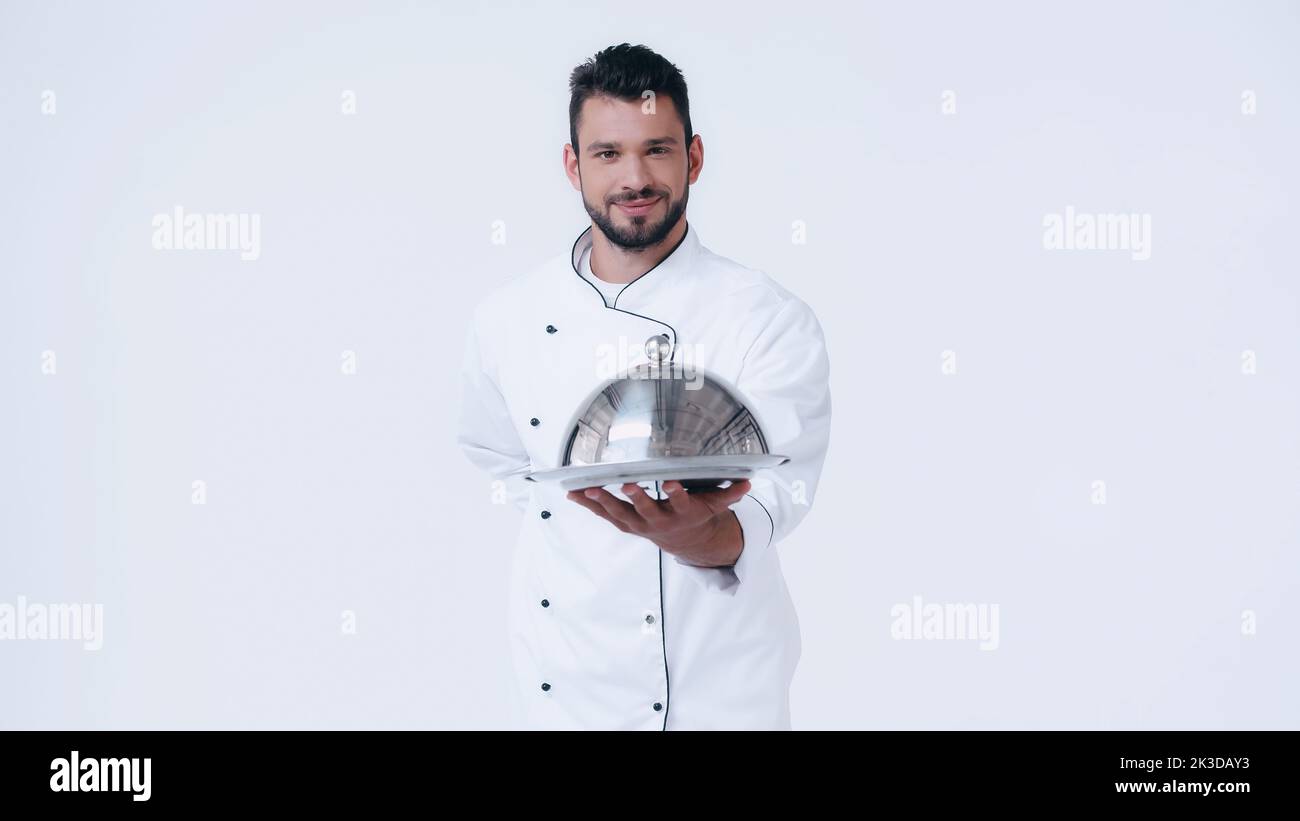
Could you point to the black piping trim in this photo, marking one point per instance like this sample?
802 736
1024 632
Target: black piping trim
671 251
663 631
673 353
770 520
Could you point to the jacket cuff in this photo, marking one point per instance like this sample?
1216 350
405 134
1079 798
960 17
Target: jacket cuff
756 527
720 579
756 537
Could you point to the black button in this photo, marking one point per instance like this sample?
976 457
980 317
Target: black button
546 514
546 602
550 329
658 706
534 421
546 687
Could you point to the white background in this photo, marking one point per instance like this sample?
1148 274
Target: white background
328 492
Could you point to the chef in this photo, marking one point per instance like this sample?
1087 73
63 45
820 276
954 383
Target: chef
644 607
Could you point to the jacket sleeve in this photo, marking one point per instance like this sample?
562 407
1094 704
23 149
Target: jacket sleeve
785 379
485 431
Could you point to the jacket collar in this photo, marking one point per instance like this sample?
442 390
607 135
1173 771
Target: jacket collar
678 263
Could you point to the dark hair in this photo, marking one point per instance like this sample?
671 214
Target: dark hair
625 71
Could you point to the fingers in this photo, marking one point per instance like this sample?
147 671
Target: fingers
719 500
617 511
740 489
715 501
579 497
646 513
651 510
679 501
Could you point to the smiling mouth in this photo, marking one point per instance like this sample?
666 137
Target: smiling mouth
637 207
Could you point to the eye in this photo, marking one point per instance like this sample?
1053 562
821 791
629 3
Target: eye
602 154
660 148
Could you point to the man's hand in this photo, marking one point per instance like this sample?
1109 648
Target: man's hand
699 528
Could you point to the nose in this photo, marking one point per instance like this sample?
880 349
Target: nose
638 178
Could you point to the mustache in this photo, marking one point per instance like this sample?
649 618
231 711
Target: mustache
644 195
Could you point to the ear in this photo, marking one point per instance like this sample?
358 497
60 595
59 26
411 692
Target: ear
571 167
695 156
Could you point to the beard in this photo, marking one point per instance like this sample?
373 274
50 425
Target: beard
641 233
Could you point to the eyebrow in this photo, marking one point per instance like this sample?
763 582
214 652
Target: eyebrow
608 146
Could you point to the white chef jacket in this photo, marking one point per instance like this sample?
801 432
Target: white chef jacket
606 630
607 289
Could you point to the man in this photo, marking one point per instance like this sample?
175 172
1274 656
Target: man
631 607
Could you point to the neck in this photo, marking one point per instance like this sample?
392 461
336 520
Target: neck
614 263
